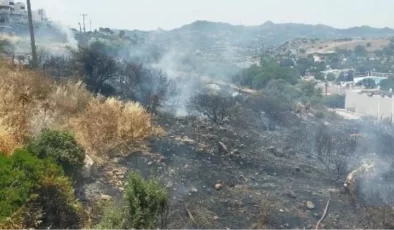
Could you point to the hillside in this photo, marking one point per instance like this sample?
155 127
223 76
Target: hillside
310 46
202 34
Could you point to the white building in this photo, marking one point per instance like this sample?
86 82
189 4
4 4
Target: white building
12 11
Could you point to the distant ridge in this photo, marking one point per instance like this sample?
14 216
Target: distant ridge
202 33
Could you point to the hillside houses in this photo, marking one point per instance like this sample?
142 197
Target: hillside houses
12 11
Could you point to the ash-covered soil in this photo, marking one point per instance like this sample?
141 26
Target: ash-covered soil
256 179
266 177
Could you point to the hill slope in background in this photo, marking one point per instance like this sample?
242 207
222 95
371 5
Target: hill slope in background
204 34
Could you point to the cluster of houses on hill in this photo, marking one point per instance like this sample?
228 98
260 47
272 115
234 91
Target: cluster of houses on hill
16 12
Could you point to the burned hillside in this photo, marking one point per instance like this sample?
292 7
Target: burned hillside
276 174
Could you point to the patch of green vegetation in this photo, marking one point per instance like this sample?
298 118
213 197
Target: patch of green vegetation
60 146
35 194
20 175
145 206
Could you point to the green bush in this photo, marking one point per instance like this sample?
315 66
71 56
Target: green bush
19 177
145 207
35 194
334 101
146 201
62 148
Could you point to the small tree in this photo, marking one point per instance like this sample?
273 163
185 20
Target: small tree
146 206
96 67
334 148
360 50
331 77
216 107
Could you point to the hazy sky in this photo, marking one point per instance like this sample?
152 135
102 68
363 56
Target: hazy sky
169 14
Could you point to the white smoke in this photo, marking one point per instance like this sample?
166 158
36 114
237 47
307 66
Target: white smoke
71 41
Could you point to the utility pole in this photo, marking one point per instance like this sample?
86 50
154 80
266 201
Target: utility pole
90 21
32 39
80 27
84 22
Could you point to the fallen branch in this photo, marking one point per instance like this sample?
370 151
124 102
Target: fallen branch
324 215
190 216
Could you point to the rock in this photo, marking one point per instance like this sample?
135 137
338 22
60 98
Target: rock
194 190
276 152
216 218
291 194
281 210
218 186
162 159
235 152
222 148
254 226
286 225
89 168
169 184
150 163
186 166
310 204
105 197
298 169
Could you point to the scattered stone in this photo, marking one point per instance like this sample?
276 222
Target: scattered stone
162 159
89 168
216 218
169 184
194 190
121 189
254 226
291 194
276 152
186 166
310 204
105 197
235 152
218 186
286 225
222 148
281 210
150 163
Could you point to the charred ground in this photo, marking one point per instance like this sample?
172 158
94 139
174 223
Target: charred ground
267 178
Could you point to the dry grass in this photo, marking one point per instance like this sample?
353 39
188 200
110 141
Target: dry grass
7 142
111 125
29 102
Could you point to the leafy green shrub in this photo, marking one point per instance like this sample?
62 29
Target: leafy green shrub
61 147
35 194
19 176
146 206
113 218
334 101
